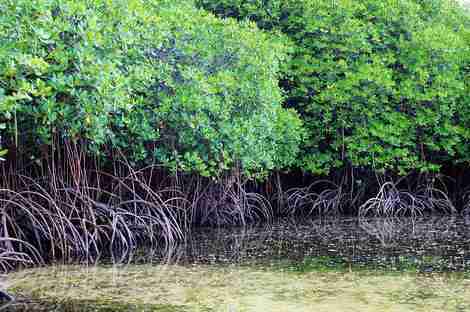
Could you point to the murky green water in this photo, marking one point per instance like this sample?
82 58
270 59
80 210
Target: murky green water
322 265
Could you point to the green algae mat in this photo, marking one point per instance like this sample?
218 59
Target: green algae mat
234 288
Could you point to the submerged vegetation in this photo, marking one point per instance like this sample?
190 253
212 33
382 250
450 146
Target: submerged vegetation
126 123
209 288
366 264
106 108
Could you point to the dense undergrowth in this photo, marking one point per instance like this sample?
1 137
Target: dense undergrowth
128 122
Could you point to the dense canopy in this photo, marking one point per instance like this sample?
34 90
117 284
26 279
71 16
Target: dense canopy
161 81
124 123
382 85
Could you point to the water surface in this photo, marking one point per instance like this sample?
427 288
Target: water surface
329 265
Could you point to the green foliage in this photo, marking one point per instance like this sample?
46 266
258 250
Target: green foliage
165 83
379 84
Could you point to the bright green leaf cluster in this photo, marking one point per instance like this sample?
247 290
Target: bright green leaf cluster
382 85
161 81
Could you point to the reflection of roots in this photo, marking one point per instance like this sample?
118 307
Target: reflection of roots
306 201
324 228
228 244
385 230
391 201
102 213
391 230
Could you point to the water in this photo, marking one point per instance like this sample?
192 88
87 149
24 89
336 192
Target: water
319 265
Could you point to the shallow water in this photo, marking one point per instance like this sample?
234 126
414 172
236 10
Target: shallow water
213 288
321 265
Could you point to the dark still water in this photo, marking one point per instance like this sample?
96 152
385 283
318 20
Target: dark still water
441 243
343 264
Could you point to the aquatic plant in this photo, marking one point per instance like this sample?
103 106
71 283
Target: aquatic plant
76 211
390 201
214 288
15 252
394 201
379 94
229 203
125 123
67 219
